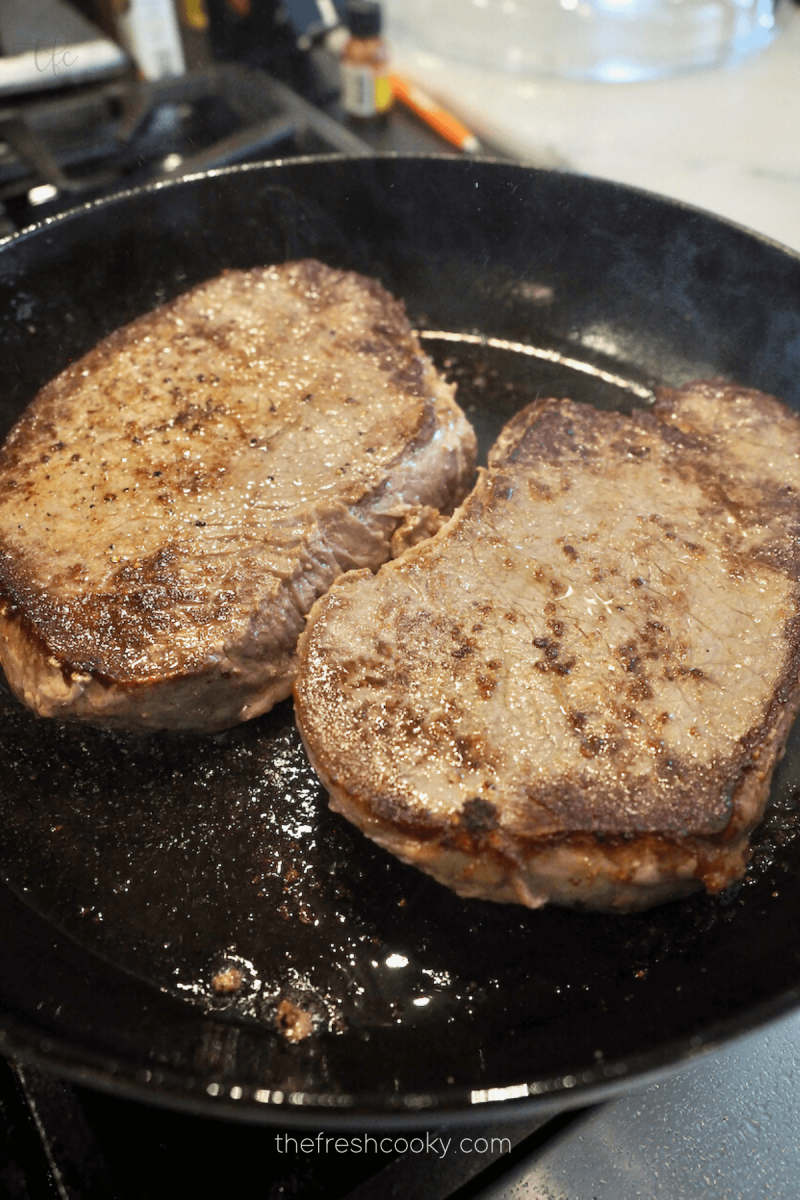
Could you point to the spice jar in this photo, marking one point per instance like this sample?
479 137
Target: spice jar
366 90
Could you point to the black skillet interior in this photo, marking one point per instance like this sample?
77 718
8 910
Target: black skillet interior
139 869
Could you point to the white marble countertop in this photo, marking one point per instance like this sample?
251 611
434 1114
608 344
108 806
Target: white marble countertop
726 139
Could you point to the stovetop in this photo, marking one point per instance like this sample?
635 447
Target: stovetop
723 1127
56 152
63 151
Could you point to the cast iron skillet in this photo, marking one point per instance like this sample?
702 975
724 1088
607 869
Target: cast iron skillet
138 869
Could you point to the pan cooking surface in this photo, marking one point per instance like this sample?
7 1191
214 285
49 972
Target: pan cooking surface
182 910
182 859
211 868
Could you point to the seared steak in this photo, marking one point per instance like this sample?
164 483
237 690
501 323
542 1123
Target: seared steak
576 691
173 503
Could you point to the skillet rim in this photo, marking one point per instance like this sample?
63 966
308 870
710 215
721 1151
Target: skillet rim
455 1105
381 1111
390 156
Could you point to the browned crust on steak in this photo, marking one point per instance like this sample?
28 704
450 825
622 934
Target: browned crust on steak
173 503
578 690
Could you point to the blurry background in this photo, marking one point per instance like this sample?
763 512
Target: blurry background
695 99
722 136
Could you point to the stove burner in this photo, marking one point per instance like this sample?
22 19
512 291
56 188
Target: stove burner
55 154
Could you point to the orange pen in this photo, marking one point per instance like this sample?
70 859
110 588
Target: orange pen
441 121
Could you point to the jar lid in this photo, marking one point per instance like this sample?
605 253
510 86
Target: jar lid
363 18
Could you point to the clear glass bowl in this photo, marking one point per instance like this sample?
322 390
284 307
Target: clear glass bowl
611 40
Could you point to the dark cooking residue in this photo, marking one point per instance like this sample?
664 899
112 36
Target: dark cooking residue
293 1022
213 868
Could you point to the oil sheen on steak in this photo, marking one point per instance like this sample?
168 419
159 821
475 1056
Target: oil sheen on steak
173 503
576 691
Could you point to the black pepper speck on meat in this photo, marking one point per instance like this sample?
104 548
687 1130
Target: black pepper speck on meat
173 503
577 691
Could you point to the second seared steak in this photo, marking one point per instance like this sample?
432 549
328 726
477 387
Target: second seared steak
577 691
174 502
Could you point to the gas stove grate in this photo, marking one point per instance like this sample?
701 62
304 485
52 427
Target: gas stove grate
55 153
